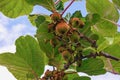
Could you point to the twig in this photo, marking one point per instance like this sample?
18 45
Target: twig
66 66
111 67
91 55
108 56
57 2
94 55
111 22
67 7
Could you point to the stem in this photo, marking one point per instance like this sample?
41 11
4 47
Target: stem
57 2
108 56
91 55
111 22
111 67
94 55
67 7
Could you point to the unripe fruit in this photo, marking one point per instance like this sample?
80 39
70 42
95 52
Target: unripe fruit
56 16
79 49
74 37
54 42
76 22
61 49
66 55
51 27
62 28
48 73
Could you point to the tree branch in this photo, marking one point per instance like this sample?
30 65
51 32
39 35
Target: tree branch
94 55
67 7
91 55
108 56
57 2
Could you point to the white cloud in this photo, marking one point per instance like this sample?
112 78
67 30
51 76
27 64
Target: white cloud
10 48
3 19
5 74
107 76
8 36
3 32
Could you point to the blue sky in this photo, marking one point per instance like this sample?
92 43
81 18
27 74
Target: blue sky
11 29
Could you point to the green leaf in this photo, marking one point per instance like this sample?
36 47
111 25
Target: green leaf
77 14
48 4
92 66
104 27
117 3
116 65
108 16
42 31
72 76
91 19
105 42
82 78
39 20
64 0
113 50
46 47
28 49
67 17
15 8
102 44
104 8
32 19
16 65
60 6
28 62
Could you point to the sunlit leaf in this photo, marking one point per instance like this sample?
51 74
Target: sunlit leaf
108 15
48 4
28 62
15 8
92 67
117 3
82 78
104 8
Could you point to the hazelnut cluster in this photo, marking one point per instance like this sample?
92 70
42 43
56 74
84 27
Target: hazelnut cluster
66 35
53 75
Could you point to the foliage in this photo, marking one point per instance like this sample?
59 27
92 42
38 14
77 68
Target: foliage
71 44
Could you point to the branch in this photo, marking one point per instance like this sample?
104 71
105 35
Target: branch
108 56
94 55
57 2
66 66
91 55
67 7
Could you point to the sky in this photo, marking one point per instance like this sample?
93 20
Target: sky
11 29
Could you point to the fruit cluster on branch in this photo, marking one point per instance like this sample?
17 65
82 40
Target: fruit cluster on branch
67 39
53 75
